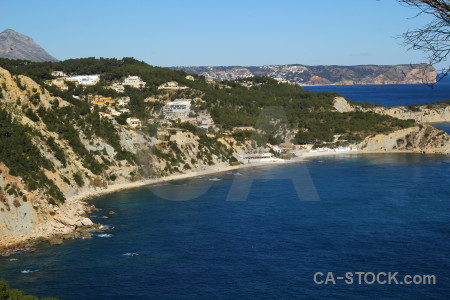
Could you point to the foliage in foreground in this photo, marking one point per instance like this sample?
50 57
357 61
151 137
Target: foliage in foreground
6 293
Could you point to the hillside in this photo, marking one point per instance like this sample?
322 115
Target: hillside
64 137
324 75
425 113
14 45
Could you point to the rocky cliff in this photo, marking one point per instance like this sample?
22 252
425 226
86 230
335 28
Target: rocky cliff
14 45
422 138
56 150
50 204
428 113
325 75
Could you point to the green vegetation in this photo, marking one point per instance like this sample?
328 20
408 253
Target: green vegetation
30 164
6 293
75 122
323 126
231 104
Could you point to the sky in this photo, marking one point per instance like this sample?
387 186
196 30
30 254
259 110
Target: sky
220 33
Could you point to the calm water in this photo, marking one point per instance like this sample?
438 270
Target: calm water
377 213
391 95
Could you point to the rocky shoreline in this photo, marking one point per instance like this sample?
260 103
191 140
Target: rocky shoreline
86 229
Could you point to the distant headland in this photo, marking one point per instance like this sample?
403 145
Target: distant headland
324 75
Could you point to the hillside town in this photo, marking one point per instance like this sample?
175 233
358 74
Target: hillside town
186 110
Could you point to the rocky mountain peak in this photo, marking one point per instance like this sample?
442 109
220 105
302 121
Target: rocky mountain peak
14 45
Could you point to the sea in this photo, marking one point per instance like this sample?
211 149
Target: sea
338 227
391 95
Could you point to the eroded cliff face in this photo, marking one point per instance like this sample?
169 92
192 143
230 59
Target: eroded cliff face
421 139
32 214
421 113
378 75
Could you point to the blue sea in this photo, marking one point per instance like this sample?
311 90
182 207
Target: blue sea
391 95
372 213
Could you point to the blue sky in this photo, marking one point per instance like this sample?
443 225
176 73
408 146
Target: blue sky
198 32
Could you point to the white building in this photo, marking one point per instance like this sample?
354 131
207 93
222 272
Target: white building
190 77
259 158
134 122
205 121
118 88
58 74
84 79
124 101
177 109
134 81
277 149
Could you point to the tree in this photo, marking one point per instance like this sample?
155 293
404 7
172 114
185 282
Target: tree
434 37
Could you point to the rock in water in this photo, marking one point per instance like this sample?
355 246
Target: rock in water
14 45
55 241
87 222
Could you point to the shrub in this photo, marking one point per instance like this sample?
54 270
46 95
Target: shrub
78 179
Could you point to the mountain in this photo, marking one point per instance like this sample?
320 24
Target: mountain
324 75
14 45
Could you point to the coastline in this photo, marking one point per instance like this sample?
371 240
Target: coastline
28 243
361 84
215 170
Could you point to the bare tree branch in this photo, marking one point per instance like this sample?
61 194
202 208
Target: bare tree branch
433 38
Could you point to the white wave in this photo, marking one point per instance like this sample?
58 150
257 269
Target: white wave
104 235
215 179
28 271
12 259
130 254
237 174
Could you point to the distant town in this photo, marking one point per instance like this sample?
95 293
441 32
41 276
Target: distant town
323 75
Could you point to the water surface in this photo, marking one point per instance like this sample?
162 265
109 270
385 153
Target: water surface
376 213
391 95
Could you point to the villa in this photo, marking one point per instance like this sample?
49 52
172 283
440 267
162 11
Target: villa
118 87
134 81
177 109
58 74
123 101
205 121
134 122
84 79
101 100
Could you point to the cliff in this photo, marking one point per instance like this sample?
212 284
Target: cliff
427 113
57 149
66 167
325 75
422 138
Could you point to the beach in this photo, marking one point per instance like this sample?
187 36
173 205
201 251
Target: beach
213 170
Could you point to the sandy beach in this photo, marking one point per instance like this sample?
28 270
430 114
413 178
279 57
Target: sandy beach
213 170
